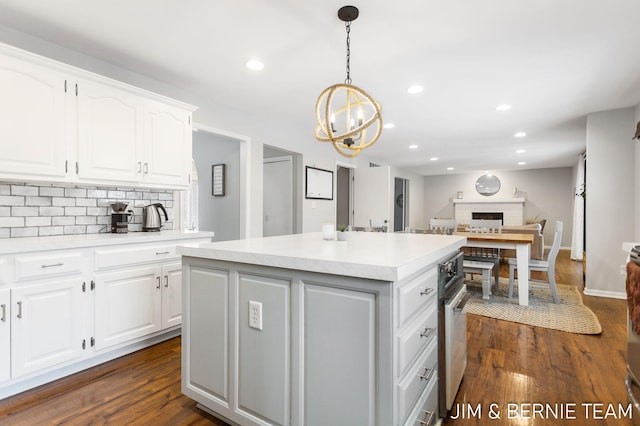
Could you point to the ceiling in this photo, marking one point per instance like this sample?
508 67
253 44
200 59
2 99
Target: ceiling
552 61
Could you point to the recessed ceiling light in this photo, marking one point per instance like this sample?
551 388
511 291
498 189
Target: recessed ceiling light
414 146
520 151
521 163
520 135
389 126
449 168
415 89
254 64
503 107
433 158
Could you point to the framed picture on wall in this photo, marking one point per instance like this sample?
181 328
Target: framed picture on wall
217 180
318 183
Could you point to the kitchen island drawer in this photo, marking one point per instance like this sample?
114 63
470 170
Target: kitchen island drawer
416 294
415 338
50 264
122 255
422 374
425 412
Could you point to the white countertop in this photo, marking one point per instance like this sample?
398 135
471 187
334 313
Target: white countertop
22 245
373 255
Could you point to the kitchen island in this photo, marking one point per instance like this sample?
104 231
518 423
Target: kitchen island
297 330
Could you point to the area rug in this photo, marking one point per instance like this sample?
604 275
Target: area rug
570 315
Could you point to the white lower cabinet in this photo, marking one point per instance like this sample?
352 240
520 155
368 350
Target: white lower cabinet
171 294
127 305
46 324
5 334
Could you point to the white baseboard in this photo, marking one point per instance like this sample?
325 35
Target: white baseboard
603 293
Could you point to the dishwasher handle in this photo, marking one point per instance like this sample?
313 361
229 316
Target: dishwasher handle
458 309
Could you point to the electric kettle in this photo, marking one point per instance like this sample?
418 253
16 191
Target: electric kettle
151 220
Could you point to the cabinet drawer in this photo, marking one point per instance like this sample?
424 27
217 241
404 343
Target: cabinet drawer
49 264
426 410
122 255
416 337
418 377
416 294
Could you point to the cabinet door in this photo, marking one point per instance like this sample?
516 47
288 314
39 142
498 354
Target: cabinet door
340 356
167 149
5 335
46 325
110 133
171 294
206 374
127 305
32 128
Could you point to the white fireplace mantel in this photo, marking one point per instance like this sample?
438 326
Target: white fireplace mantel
488 201
511 208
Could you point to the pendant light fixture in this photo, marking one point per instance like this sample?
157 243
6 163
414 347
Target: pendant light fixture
346 115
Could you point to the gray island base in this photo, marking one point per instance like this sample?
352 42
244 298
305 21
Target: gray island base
296 330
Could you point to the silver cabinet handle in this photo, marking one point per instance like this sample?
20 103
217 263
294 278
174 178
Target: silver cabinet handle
51 265
166 281
428 373
158 253
158 286
139 166
19 310
146 168
427 332
4 313
426 421
427 291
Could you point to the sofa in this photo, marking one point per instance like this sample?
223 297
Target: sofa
537 247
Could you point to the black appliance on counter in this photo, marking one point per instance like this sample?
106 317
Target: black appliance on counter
120 218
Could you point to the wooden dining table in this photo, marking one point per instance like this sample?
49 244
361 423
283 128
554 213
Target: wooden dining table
520 242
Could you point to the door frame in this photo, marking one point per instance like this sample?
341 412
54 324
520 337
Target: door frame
351 168
290 159
245 174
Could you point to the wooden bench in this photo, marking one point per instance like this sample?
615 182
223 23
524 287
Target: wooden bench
484 268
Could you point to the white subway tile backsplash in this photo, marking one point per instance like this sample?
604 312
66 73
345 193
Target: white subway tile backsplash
75 192
48 191
45 231
28 210
11 222
63 220
37 201
63 202
24 211
24 190
37 221
24 232
11 200
51 211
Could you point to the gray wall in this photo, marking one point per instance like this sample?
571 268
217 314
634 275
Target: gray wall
610 198
220 214
548 195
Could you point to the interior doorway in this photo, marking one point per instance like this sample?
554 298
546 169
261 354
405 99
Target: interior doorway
344 195
282 207
400 204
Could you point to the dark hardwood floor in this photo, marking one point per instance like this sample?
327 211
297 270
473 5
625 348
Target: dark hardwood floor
508 363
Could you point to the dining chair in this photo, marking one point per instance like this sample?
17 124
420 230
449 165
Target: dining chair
484 254
547 266
442 224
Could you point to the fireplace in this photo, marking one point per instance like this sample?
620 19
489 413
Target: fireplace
488 216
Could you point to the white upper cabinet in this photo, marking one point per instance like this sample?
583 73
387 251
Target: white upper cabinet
167 146
110 133
32 129
62 124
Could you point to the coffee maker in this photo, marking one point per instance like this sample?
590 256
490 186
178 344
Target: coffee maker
120 218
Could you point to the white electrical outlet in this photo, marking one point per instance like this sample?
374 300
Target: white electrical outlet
255 315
